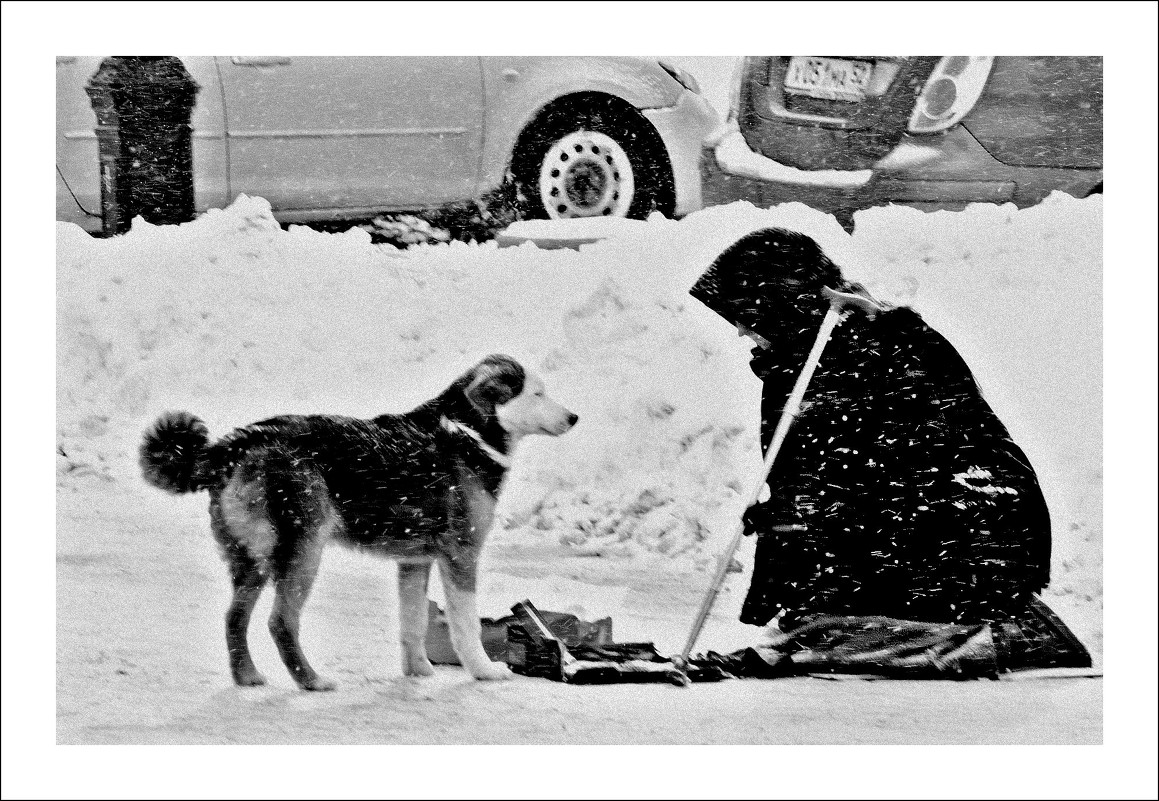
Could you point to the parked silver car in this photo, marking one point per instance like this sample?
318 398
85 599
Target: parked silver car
326 138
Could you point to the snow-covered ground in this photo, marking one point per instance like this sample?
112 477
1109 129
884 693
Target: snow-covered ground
139 591
235 319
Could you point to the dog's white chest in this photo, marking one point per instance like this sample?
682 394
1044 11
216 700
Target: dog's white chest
478 503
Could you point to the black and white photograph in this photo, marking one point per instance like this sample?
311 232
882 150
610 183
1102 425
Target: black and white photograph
467 377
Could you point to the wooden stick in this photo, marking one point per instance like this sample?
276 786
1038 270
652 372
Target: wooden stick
837 303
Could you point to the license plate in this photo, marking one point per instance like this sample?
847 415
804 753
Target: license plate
828 78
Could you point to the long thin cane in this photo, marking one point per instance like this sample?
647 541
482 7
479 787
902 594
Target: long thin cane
837 303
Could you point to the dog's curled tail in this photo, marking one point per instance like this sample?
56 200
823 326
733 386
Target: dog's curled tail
174 453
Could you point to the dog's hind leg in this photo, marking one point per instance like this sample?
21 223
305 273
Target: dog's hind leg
304 518
292 588
293 579
248 580
458 577
240 534
413 615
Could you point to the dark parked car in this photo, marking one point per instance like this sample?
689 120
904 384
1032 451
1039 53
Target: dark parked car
842 133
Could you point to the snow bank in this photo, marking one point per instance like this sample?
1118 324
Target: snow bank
234 319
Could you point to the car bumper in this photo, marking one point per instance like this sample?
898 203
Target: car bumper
947 172
683 128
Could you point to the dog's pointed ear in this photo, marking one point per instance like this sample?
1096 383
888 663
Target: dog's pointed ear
493 384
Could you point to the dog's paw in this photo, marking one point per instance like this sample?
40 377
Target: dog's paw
413 665
491 671
318 684
248 678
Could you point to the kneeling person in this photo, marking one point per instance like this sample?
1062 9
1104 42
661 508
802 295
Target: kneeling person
898 492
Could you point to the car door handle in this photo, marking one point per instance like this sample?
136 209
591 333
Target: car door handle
260 61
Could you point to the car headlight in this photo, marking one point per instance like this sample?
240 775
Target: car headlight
683 77
951 91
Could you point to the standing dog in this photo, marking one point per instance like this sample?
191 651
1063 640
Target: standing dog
419 487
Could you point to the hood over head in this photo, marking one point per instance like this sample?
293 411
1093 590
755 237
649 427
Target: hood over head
766 278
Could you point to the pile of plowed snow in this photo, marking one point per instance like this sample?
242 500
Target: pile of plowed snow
235 319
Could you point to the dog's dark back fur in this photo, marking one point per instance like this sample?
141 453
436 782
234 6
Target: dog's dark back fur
409 456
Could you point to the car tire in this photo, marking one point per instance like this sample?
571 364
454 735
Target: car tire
597 159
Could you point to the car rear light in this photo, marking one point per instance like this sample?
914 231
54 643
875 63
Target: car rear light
951 91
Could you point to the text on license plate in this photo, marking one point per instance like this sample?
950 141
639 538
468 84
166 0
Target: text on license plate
828 78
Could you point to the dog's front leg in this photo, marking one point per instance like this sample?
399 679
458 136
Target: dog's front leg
413 615
463 619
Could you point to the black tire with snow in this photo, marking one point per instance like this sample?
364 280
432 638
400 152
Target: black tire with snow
592 155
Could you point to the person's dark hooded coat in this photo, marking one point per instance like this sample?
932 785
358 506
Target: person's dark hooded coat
897 491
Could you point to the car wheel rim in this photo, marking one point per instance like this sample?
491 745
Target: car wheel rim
586 174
